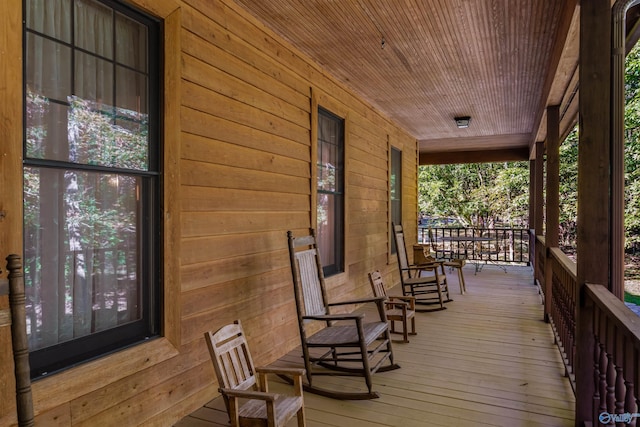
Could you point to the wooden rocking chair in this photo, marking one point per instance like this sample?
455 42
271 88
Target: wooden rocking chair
346 345
398 308
237 379
428 289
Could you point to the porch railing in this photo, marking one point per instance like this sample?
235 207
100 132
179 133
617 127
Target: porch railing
564 287
610 353
616 358
497 245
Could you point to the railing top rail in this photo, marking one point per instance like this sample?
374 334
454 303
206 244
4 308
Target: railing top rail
567 263
527 230
616 311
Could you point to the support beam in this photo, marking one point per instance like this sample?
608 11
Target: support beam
619 32
488 156
531 225
593 185
538 207
538 218
553 200
532 193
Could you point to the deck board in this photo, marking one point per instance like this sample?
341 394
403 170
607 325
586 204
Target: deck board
487 360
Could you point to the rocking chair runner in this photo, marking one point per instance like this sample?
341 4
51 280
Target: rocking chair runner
238 380
347 345
430 288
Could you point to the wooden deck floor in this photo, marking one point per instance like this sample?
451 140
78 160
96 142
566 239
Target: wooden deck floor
488 360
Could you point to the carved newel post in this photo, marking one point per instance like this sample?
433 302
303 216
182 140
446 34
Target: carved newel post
24 401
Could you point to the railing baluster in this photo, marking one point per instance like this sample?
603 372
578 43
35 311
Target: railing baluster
597 355
611 369
604 364
629 379
620 382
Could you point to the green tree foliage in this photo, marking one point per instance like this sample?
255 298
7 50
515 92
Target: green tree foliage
568 191
476 194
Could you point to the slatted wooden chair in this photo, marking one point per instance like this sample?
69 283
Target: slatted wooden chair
398 308
346 344
426 282
237 378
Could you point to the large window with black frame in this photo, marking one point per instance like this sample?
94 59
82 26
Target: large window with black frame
91 179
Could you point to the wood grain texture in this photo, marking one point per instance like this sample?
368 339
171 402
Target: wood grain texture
500 62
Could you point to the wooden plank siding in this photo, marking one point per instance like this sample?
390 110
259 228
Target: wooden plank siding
488 360
238 156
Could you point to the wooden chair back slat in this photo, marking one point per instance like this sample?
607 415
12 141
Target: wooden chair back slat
314 303
232 360
377 284
401 250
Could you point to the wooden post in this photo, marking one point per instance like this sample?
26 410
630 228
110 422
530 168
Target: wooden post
617 146
531 225
553 200
24 401
593 185
538 207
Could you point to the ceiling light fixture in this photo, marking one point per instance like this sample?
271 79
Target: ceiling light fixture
462 122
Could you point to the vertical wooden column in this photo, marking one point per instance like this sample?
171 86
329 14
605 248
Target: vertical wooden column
539 189
532 193
553 199
593 185
617 146
538 207
531 225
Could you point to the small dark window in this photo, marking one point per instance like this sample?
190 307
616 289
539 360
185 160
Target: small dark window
395 191
330 228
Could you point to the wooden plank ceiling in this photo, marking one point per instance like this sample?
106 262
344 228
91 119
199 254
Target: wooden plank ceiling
424 62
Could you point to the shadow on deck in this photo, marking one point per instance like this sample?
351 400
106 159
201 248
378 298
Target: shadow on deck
488 360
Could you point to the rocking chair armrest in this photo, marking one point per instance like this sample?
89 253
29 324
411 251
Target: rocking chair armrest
297 372
248 394
377 300
407 300
426 265
399 304
331 317
294 374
